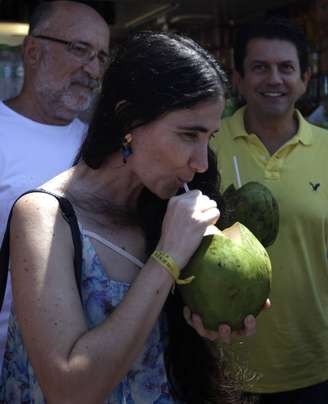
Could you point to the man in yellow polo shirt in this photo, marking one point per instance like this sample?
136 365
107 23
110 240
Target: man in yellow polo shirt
274 145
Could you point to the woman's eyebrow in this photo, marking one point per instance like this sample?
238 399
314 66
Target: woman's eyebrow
195 128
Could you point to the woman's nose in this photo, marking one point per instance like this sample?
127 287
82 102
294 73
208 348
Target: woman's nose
199 159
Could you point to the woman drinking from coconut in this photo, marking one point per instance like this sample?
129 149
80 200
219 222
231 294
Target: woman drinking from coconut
124 338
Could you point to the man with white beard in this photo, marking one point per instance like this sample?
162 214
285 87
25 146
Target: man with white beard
65 55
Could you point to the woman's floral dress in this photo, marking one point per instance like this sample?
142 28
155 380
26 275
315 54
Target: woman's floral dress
145 383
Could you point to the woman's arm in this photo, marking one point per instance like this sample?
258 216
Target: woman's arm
72 363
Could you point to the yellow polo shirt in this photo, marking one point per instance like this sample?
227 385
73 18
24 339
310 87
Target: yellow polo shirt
290 348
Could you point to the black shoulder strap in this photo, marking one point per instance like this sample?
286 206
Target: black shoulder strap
70 217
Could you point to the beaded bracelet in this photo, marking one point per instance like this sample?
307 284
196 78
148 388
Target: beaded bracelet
170 265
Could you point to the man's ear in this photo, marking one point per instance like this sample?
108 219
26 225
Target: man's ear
305 80
237 82
306 77
31 51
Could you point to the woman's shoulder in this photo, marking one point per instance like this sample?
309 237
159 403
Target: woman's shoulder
39 231
37 210
36 203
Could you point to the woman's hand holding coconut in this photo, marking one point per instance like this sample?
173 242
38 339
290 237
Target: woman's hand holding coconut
187 219
184 225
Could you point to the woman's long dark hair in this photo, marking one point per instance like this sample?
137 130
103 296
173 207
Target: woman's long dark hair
150 75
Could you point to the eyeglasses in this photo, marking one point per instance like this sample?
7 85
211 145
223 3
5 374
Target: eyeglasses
82 51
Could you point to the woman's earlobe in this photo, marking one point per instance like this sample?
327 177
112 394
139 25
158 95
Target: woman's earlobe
126 149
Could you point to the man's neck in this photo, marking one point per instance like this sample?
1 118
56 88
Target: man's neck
25 106
273 131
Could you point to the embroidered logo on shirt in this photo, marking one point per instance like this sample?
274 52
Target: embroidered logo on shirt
314 186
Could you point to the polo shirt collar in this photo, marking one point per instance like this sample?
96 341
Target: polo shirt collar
303 135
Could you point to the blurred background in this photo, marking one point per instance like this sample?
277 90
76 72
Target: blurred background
212 23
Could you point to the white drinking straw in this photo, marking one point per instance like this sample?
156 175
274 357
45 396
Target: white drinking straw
185 186
235 164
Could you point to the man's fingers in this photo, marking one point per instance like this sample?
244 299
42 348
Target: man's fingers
250 325
225 333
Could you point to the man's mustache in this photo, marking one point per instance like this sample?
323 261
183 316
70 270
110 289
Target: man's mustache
86 81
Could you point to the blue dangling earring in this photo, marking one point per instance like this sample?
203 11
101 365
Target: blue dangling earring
126 149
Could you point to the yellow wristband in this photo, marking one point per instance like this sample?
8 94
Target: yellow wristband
170 265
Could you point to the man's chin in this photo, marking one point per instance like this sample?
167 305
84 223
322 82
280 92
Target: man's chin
274 112
78 104
68 112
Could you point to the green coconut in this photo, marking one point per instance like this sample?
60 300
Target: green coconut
254 206
232 273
